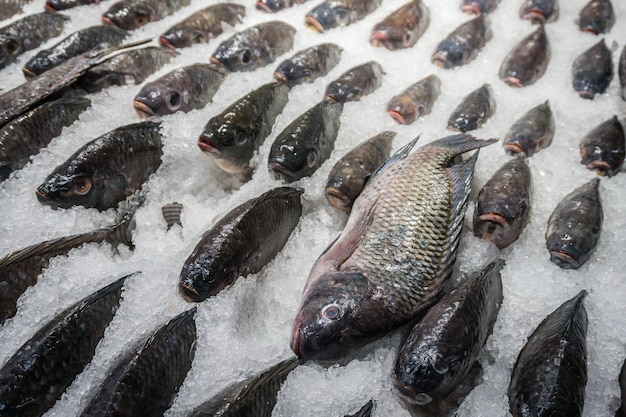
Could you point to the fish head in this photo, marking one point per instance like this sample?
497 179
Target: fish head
38 64
392 37
205 276
293 158
327 16
236 54
229 143
157 99
182 38
65 190
403 109
56 5
272 6
127 15
290 73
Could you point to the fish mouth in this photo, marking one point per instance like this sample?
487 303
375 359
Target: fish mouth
189 293
166 43
280 77
380 38
296 335
586 94
29 72
46 199
218 65
209 146
601 167
106 20
471 9
564 259
409 394
535 15
513 81
49 7
312 23
338 199
281 171
264 7
495 218
142 109
590 30
398 117
514 148
440 60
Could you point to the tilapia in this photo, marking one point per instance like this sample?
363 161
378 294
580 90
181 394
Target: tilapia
474 110
303 146
574 226
309 64
596 17
540 11
349 175
621 411
503 205
402 28
334 13
241 243
532 132
462 45
106 170
479 6
145 381
550 374
28 134
592 71
232 137
355 83
442 348
12 7
254 47
273 6
56 5
183 89
417 100
133 14
365 411
395 254
36 376
621 68
603 148
527 61
203 25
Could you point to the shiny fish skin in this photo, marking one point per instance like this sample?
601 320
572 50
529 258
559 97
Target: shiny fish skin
106 170
335 13
444 345
415 101
365 411
550 374
309 64
479 6
56 5
574 226
592 71
540 11
12 7
527 61
355 83
395 254
41 370
473 111
133 14
273 6
144 382
603 148
462 45
402 28
349 175
596 17
503 205
532 132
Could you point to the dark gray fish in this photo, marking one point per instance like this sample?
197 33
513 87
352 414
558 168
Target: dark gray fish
355 83
28 134
183 89
382 271
596 17
133 14
303 146
309 64
254 47
273 6
349 175
503 205
479 6
602 149
203 25
171 214
621 411
241 243
402 28
532 132
106 170
527 61
574 226
252 397
474 110
550 374
85 40
365 411
12 7
621 68
417 100
144 382
540 11
56 5
232 137
41 370
442 348
334 13
462 45
592 71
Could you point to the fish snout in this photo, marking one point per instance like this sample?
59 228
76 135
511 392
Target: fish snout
296 336
513 81
381 38
409 394
50 7
209 145
564 259
143 110
281 170
163 41
108 20
189 293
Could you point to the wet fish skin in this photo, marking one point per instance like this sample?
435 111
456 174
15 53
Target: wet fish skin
621 68
309 64
462 45
550 374
365 411
527 61
592 71
273 6
603 148
503 205
355 83
474 110
596 17
349 175
232 137
574 226
479 6
540 11
41 370
57 5
416 100
532 132
133 14
335 13
12 7
402 28
145 381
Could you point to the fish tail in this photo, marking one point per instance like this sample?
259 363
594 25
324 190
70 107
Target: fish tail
121 232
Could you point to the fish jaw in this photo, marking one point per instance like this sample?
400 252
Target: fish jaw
210 146
473 9
409 394
513 81
338 199
142 109
163 41
50 7
281 170
381 38
188 293
514 148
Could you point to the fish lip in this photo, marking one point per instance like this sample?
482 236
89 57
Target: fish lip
602 167
209 145
514 148
295 343
28 72
338 199
280 77
590 30
106 20
380 38
281 171
50 7
564 259
189 293
264 7
142 109
397 116
218 65
313 23
535 15
586 94
440 60
472 9
513 81
166 43
494 217
42 196
407 392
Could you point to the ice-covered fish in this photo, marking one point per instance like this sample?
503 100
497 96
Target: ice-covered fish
203 25
621 411
574 226
12 7
402 28
133 14
232 137
444 345
334 13
183 89
395 254
365 411
273 6
106 170
415 101
474 110
527 61
550 374
349 175
532 132
355 83
56 5
144 382
621 69
603 148
479 6
592 71
254 47
596 17
540 11
503 205
309 64
462 45
303 146
36 376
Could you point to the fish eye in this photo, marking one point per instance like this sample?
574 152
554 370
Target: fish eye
241 138
198 38
12 46
331 312
174 101
439 363
82 186
245 56
406 38
310 158
141 19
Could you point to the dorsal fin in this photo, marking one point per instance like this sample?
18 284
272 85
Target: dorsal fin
396 157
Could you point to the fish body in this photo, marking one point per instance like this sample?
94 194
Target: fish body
621 69
133 14
474 110
527 61
603 148
592 71
574 226
395 254
462 45
355 83
550 373
57 5
532 132
402 28
349 175
303 146
232 137
540 11
479 6
12 7
273 6
241 243
415 101
596 17
309 64
335 13
106 170
365 411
